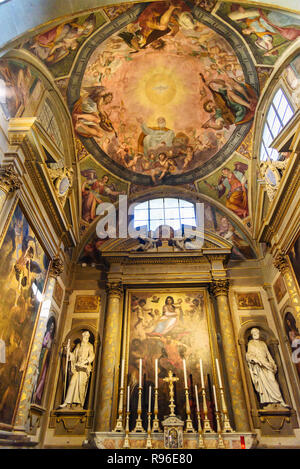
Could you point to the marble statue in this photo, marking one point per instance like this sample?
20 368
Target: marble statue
81 359
262 370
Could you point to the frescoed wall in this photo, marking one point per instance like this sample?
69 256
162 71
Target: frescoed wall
23 269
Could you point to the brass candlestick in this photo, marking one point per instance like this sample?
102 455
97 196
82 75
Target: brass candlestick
206 422
149 442
189 424
221 443
138 424
119 425
155 423
226 422
200 440
126 439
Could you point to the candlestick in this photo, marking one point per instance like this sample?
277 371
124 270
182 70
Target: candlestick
201 373
220 443
155 425
148 441
184 373
226 422
126 439
156 373
219 374
119 424
189 424
149 403
206 422
138 424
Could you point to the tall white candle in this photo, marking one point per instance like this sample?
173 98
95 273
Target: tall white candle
128 397
197 399
149 404
122 373
156 372
184 373
140 374
201 373
219 374
215 398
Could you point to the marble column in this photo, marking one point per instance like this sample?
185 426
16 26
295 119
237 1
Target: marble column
56 269
109 358
282 264
219 289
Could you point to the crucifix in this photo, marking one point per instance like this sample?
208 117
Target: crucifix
171 380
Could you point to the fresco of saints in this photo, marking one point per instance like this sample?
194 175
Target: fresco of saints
92 189
55 44
265 24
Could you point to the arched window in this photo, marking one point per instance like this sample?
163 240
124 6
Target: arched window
165 211
279 113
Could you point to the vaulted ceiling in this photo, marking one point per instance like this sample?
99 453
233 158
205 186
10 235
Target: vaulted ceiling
160 94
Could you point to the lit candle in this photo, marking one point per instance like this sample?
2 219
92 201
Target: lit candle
128 397
140 374
149 405
197 399
156 372
219 374
201 373
215 398
122 373
184 373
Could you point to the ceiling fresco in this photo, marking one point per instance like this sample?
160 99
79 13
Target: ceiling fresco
160 94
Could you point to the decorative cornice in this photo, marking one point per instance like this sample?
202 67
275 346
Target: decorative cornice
56 268
281 263
219 287
9 181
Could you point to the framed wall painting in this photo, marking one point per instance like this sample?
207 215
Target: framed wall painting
23 273
248 300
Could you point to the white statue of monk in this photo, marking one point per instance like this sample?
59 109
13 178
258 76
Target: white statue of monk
262 370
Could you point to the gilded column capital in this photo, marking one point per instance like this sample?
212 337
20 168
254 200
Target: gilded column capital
281 263
114 289
219 287
9 180
56 268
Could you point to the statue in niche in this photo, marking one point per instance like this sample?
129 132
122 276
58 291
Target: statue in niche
262 370
81 359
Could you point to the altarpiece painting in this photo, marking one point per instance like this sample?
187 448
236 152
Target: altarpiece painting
168 325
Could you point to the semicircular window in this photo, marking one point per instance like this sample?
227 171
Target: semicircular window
165 211
279 113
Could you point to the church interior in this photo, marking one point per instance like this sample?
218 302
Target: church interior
149 224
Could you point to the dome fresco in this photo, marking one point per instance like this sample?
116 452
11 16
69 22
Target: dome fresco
163 95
